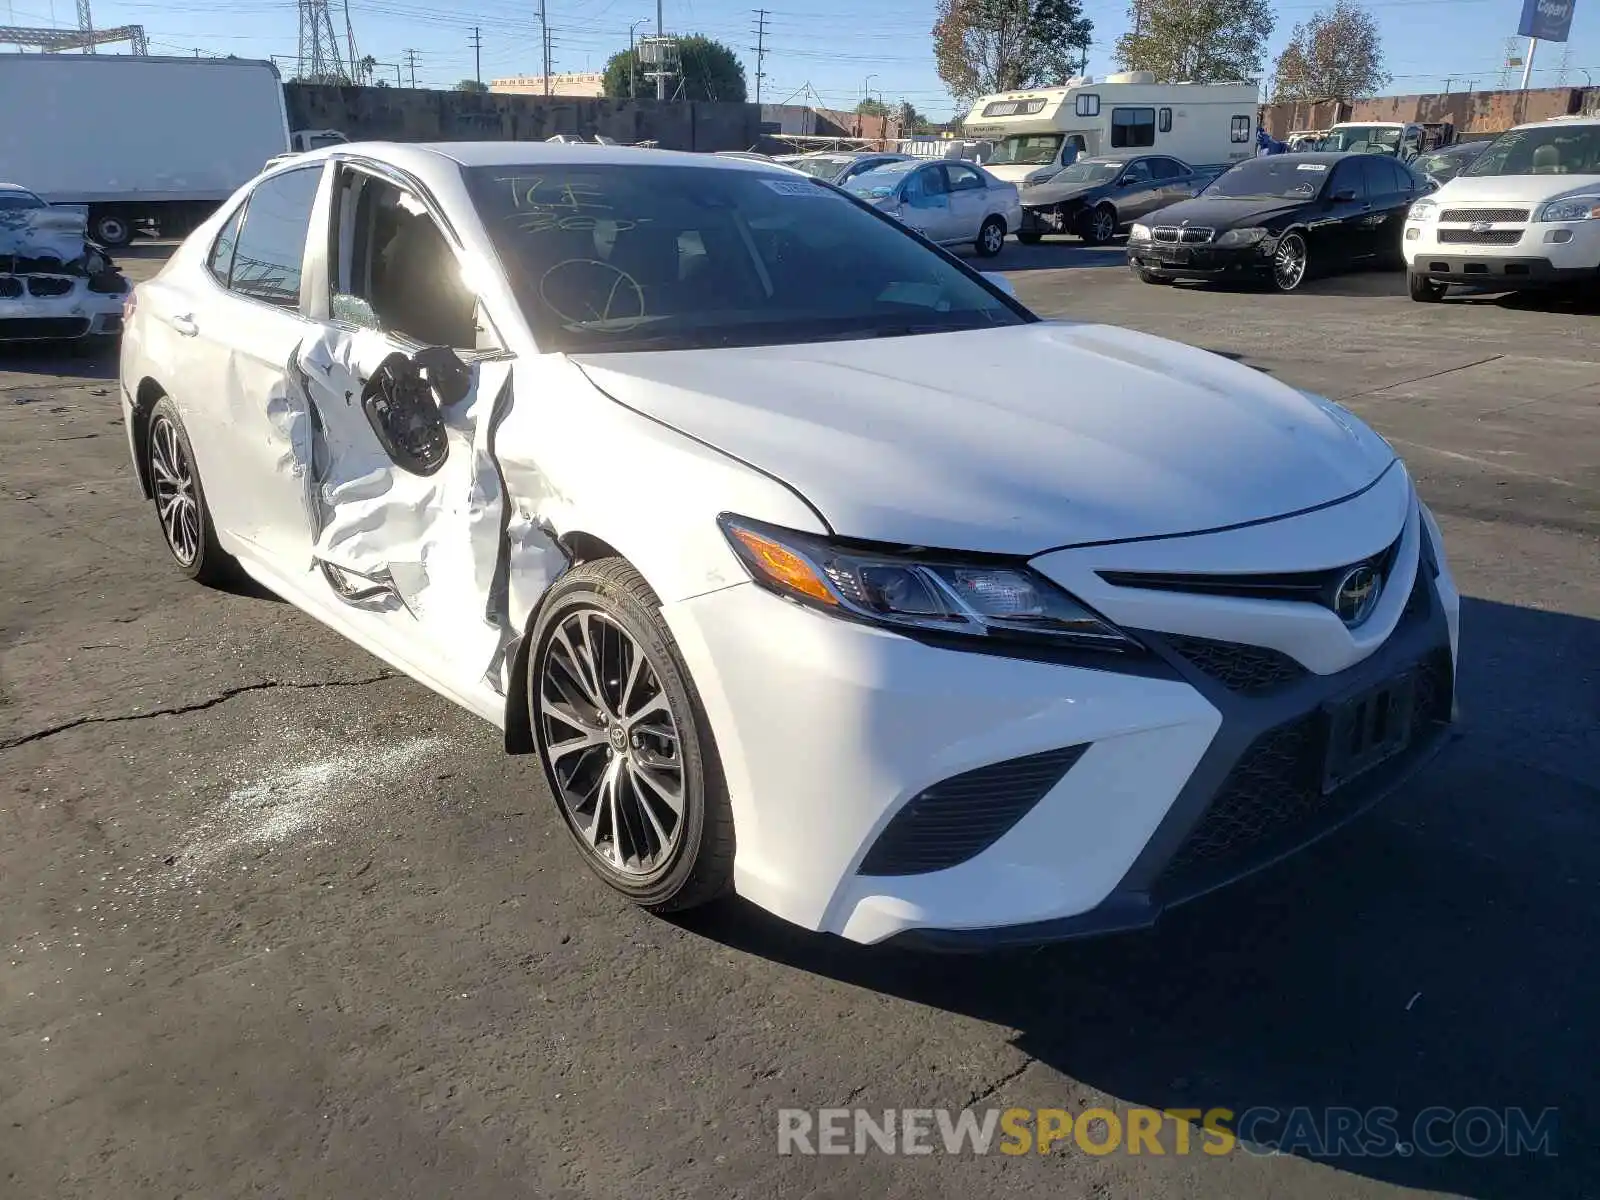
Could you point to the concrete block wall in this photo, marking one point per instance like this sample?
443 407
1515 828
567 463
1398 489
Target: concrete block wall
417 115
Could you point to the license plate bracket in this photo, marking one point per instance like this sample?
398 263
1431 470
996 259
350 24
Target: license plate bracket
1366 730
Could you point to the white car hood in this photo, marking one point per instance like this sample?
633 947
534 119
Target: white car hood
1009 440
1523 189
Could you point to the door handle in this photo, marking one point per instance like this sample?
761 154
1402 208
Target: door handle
185 325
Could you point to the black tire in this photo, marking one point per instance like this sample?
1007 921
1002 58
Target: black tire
203 559
1099 226
991 238
1030 237
1150 276
698 866
111 229
1292 248
1423 289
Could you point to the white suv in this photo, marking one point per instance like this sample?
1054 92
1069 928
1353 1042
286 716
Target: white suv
1524 214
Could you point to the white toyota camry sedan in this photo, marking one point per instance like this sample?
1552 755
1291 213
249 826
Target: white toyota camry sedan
809 564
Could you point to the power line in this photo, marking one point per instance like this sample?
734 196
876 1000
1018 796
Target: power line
411 65
760 49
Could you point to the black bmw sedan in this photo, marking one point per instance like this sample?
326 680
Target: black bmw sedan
1284 218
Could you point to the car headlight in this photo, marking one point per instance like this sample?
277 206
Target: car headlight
1139 233
1422 210
1241 237
1571 208
991 599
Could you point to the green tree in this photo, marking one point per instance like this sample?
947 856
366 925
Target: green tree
873 107
983 46
710 71
471 85
911 121
365 68
1197 41
1337 55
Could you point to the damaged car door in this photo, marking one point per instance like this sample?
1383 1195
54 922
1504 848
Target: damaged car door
404 382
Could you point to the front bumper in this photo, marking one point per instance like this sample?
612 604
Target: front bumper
828 731
1513 254
1174 261
77 313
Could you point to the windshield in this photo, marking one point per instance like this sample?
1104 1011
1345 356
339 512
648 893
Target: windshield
1541 150
881 180
820 168
1358 138
13 199
610 257
1275 178
1087 172
1026 149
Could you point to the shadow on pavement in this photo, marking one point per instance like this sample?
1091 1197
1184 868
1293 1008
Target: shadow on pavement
85 358
1059 256
1437 954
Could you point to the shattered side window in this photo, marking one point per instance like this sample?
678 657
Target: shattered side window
271 248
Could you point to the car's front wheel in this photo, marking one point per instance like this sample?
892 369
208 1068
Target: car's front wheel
1424 290
625 744
991 237
181 501
1291 264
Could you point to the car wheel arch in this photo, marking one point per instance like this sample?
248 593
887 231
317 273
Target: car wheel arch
145 397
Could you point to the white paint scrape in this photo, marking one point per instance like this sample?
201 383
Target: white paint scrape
307 801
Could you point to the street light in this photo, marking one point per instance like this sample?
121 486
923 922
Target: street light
866 86
633 59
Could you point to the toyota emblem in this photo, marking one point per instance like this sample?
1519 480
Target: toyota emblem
1357 594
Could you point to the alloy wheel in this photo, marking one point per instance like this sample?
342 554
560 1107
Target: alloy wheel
994 238
1289 263
612 745
172 478
1105 226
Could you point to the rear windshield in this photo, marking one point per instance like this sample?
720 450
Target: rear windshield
1542 150
607 257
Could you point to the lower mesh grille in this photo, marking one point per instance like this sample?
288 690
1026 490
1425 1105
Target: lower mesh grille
959 818
1241 668
43 327
1273 798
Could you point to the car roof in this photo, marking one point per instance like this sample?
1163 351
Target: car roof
15 187
1556 122
1309 156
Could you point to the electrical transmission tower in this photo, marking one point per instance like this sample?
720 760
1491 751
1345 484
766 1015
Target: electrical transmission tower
84 37
320 59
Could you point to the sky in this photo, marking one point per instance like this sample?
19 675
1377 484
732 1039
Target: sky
831 47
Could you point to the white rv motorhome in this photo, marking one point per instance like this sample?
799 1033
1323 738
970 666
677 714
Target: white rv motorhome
1039 131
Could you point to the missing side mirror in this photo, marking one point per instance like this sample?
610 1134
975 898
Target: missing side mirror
404 415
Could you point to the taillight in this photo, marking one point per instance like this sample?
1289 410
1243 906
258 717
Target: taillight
129 303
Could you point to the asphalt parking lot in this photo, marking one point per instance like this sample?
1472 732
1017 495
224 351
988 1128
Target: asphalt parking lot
275 921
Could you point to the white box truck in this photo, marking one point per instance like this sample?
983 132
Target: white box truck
162 140
1039 131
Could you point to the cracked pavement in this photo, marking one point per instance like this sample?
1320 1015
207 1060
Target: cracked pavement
277 921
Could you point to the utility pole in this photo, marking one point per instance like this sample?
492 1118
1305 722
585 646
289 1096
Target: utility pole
477 54
544 42
760 49
1527 63
661 32
411 65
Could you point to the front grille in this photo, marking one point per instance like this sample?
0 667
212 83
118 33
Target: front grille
1468 215
1273 799
10 287
1314 587
1488 237
959 818
1189 235
43 328
44 285
1249 669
